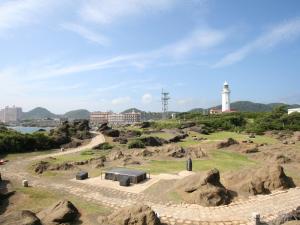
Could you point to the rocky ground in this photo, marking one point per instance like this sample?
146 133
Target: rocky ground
249 165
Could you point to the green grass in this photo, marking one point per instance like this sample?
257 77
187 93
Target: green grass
162 135
259 139
222 160
80 156
40 198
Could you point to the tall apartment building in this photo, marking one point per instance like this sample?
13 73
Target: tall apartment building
10 114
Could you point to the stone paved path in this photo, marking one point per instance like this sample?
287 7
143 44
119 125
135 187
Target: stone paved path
269 206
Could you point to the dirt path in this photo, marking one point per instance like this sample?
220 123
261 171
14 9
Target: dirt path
269 206
94 142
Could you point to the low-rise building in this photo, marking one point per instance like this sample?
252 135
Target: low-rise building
116 119
293 110
132 117
97 118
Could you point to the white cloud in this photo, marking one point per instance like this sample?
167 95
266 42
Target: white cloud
198 40
16 13
87 33
121 101
283 32
147 98
108 11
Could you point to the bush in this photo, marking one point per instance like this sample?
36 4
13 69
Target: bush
136 144
103 146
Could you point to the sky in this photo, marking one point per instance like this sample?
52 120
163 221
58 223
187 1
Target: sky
116 54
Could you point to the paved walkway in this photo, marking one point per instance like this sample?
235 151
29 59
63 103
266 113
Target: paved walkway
269 206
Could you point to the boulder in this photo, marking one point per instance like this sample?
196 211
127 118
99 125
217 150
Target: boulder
294 215
61 212
251 150
187 125
62 166
178 138
177 152
268 179
282 159
23 217
115 155
199 130
225 144
152 141
132 215
41 166
206 191
196 152
103 127
145 124
111 133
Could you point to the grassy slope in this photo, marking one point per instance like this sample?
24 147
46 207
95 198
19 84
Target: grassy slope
223 160
40 198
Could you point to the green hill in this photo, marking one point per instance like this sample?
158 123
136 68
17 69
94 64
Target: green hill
247 106
77 114
38 113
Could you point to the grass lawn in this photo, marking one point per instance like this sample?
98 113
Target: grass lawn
239 137
162 135
80 156
222 160
40 198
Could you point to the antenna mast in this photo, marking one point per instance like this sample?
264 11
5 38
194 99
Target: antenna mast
165 103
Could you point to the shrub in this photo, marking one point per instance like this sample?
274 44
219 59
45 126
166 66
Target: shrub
136 144
103 146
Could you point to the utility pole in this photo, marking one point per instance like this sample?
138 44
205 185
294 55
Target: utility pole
165 103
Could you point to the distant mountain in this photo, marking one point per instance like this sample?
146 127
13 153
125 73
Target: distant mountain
77 114
197 110
38 113
247 106
145 115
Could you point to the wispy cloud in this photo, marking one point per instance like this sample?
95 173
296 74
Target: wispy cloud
147 98
108 11
16 13
198 40
121 101
283 32
87 33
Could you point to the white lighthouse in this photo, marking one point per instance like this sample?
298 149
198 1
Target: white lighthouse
226 98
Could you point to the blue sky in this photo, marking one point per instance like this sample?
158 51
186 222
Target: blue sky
116 54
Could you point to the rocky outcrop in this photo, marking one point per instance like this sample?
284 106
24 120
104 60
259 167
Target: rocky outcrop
61 212
225 144
178 138
268 179
294 215
187 125
23 217
111 132
152 141
133 215
204 190
115 155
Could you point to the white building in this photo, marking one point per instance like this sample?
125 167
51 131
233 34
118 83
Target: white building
10 114
226 98
116 119
293 110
